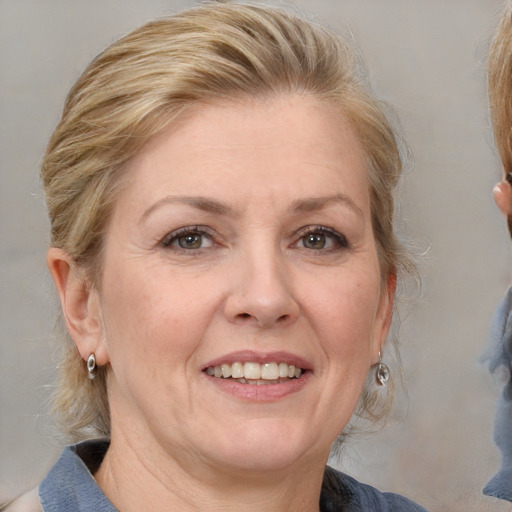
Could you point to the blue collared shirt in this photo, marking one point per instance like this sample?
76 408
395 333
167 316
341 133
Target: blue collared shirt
70 487
500 356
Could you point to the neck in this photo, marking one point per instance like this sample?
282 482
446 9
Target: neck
135 477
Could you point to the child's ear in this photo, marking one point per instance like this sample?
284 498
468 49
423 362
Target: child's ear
502 193
80 305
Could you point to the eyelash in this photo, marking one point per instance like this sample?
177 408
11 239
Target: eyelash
339 239
187 231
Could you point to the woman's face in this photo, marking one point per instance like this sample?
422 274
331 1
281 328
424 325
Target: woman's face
242 245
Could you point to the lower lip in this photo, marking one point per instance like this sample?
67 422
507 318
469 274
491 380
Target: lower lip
261 393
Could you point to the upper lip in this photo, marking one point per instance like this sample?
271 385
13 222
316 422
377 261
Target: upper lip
245 356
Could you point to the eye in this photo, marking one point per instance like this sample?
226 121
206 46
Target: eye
188 239
192 241
314 241
319 237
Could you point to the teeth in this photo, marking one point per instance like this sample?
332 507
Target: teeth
255 373
237 370
226 370
252 371
269 371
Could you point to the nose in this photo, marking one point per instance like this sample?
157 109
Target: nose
262 292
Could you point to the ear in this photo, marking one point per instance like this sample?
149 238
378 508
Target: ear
502 193
80 305
384 314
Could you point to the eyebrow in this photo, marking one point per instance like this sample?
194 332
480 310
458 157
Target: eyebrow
212 206
201 203
318 203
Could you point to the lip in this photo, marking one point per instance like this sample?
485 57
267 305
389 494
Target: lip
265 392
245 356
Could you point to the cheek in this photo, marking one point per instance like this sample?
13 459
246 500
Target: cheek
344 314
157 319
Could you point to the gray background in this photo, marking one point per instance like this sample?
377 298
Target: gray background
425 57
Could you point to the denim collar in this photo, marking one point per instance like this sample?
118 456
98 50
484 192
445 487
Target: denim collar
70 487
499 355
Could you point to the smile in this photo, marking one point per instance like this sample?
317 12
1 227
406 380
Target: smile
255 373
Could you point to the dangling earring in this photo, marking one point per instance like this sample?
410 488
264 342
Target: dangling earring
382 372
91 366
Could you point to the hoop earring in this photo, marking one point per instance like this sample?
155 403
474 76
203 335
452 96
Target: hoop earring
382 373
91 366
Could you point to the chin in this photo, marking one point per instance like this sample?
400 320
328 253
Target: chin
260 460
267 446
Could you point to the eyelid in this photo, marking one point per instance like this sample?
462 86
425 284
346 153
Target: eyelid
200 230
339 238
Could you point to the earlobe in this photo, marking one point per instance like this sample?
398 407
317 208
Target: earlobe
80 305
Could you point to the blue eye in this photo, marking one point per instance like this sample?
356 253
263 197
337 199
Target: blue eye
188 239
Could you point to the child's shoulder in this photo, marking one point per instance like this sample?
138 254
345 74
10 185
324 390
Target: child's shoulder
27 502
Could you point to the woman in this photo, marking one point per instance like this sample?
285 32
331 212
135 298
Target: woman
500 354
220 190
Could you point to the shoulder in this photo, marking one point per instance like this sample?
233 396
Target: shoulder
27 502
342 492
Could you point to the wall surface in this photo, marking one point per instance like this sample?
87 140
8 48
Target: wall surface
426 58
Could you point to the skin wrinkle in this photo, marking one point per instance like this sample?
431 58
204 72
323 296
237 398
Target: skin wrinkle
211 206
308 205
202 500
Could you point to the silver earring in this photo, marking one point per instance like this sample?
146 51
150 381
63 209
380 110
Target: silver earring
382 373
91 366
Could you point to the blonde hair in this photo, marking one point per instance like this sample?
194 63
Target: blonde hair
141 83
500 91
500 87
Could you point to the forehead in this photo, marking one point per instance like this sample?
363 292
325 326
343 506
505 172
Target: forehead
281 147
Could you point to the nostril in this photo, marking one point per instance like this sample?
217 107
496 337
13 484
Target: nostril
264 314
